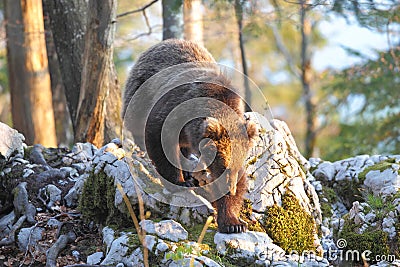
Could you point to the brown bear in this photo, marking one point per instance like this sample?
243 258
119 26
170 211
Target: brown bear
218 133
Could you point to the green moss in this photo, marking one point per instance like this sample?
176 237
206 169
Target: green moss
375 202
133 243
97 201
9 181
27 151
3 162
252 161
326 210
290 226
395 246
209 245
380 166
133 240
374 240
349 192
245 215
331 196
195 231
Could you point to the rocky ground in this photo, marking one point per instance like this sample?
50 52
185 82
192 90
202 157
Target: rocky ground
61 207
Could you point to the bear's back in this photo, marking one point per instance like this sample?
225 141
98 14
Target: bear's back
165 54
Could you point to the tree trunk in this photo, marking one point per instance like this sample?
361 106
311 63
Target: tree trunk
239 19
61 113
31 99
306 74
68 21
99 92
172 19
193 21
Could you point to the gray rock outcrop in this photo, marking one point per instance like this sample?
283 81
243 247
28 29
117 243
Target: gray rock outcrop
11 140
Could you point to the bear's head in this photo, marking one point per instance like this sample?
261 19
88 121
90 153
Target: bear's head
224 150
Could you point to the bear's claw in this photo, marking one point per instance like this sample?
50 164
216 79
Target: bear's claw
232 229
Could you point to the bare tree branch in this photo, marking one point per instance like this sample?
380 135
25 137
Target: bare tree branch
142 9
282 48
150 29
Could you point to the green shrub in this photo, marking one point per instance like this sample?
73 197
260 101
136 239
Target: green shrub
374 240
97 201
245 215
290 226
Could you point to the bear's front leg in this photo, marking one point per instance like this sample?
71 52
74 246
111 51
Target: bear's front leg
163 164
228 210
171 173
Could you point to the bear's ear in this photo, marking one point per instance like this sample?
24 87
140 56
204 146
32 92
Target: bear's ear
252 130
212 128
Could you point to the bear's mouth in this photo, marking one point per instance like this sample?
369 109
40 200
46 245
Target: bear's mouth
199 170
202 175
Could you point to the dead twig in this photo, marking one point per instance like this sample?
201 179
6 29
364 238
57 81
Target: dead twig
27 247
201 236
149 27
141 233
137 10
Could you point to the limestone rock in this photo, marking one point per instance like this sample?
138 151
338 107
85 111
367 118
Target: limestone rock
117 252
118 249
81 153
386 182
114 148
277 168
276 165
6 223
51 194
248 246
11 140
108 237
21 203
326 171
368 186
161 247
387 264
29 237
207 261
72 197
198 261
167 229
137 175
185 262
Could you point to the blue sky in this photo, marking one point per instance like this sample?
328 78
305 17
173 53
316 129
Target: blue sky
338 33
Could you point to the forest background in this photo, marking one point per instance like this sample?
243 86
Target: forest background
338 100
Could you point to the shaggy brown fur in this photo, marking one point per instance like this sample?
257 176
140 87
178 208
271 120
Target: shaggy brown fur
230 149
